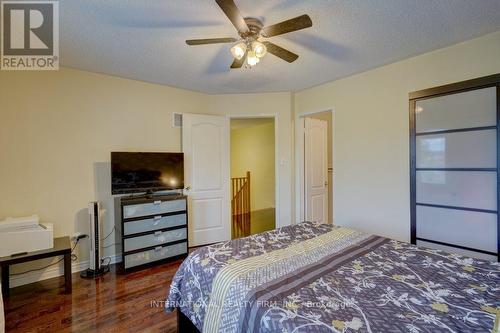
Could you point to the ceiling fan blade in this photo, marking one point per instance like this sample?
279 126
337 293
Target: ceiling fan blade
280 52
233 14
238 63
298 23
210 41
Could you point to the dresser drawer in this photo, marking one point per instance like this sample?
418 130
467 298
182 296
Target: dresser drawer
153 208
155 239
156 223
141 258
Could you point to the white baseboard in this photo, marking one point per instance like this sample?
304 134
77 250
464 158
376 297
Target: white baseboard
52 272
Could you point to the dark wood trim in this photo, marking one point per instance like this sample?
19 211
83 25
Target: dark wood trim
153 263
473 84
152 232
5 280
456 246
121 268
128 201
469 85
458 130
148 217
141 199
477 210
154 247
67 274
184 325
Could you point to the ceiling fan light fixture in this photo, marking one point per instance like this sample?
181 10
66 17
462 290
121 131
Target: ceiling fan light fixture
248 49
259 49
252 59
238 51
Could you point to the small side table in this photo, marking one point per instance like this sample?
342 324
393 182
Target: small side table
62 247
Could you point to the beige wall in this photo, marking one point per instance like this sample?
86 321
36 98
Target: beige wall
252 149
277 105
371 163
57 130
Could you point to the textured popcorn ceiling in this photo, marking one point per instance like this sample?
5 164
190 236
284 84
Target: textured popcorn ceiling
144 39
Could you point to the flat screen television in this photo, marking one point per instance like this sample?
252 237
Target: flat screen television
146 172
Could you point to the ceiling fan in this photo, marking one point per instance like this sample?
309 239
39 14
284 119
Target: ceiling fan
250 47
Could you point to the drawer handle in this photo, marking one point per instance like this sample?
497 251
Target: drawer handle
157 202
158 248
158 233
157 217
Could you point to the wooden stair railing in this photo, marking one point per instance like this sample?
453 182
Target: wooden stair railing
240 206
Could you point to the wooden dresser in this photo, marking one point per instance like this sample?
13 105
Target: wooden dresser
151 229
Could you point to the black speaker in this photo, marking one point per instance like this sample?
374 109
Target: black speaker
96 268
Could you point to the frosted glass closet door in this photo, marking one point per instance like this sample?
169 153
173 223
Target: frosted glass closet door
476 108
456 171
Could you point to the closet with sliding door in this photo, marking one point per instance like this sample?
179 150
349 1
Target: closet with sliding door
454 167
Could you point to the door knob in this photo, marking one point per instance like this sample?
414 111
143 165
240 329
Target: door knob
187 188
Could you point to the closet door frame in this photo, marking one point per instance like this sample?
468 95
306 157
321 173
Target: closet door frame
450 89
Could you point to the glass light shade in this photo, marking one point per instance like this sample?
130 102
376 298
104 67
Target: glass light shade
252 59
238 51
259 49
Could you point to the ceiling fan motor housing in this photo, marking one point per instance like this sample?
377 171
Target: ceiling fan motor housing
254 26
250 29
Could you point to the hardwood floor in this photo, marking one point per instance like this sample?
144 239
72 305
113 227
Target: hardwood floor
131 302
112 303
262 220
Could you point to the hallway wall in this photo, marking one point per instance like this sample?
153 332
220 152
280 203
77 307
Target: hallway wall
252 149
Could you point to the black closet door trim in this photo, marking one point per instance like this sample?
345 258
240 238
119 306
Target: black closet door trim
450 89
458 169
458 87
457 246
477 210
458 130
498 170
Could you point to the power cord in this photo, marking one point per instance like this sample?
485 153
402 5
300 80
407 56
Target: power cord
106 269
74 257
110 245
112 230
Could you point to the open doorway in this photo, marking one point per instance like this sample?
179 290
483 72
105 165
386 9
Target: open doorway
315 167
253 183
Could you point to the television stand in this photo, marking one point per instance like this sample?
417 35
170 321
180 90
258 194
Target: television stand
151 229
151 194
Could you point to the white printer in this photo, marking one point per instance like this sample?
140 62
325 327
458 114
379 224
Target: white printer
25 234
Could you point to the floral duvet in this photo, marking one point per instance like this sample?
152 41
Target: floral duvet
319 278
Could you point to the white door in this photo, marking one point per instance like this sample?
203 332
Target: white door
205 143
316 170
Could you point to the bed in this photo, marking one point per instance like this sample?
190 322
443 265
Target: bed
320 278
